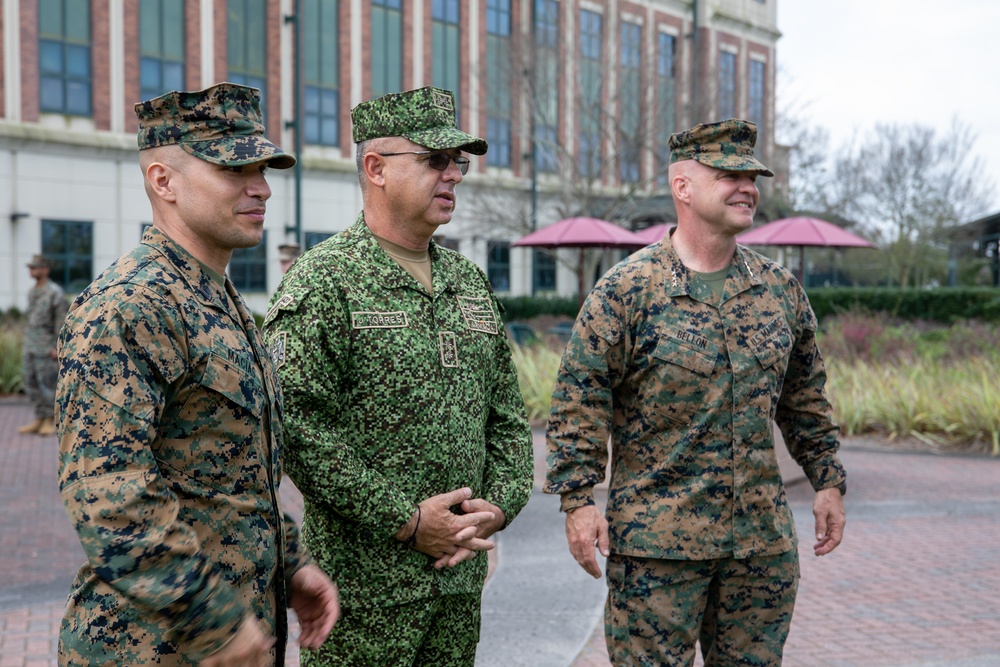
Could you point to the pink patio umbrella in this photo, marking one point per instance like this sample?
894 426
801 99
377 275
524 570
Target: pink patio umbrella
582 233
802 232
655 233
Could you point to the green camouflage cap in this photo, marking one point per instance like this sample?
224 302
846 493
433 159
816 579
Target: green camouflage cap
221 124
425 116
726 145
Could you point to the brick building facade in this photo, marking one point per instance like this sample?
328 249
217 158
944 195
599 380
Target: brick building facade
576 98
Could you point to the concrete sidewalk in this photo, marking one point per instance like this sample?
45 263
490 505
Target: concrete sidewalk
916 583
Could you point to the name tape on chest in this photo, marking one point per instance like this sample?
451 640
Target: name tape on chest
692 339
765 332
374 320
479 314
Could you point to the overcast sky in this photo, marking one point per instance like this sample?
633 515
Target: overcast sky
860 62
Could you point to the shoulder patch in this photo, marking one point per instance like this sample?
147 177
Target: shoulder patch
277 349
288 301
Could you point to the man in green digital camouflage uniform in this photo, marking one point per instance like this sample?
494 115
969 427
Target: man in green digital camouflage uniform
407 433
683 354
169 418
46 311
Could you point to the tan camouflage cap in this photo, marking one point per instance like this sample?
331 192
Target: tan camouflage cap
425 116
289 252
727 145
39 261
221 124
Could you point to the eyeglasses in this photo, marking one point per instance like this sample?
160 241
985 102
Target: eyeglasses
437 160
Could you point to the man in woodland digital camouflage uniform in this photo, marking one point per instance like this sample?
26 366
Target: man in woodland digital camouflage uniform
170 414
407 433
46 311
683 354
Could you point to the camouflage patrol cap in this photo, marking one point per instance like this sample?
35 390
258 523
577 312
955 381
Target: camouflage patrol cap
726 145
39 262
425 116
221 124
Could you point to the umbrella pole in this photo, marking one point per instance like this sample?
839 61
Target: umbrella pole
579 276
802 265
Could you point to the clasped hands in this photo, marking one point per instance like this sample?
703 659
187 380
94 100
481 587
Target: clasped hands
449 537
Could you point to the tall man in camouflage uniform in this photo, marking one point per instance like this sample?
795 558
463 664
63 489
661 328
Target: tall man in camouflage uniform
170 419
407 433
46 311
683 354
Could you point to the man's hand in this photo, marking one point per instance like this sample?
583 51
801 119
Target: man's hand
586 526
249 647
485 530
316 603
828 508
440 532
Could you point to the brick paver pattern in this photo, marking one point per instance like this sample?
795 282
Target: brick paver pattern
915 580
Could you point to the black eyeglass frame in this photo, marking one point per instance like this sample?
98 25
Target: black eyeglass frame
434 161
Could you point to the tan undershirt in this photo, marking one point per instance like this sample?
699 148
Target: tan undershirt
416 262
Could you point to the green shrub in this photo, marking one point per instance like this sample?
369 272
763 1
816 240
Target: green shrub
945 304
528 307
11 371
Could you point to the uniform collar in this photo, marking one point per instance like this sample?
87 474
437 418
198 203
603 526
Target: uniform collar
390 273
677 277
205 290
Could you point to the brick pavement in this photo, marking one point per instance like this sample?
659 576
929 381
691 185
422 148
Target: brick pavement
916 581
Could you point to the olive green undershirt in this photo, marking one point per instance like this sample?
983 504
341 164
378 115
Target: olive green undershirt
715 281
416 262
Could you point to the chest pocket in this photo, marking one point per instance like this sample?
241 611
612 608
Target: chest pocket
237 380
773 345
694 358
684 370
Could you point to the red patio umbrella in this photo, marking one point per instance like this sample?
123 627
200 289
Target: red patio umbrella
802 232
582 233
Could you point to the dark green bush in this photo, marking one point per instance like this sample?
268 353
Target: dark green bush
945 304
527 307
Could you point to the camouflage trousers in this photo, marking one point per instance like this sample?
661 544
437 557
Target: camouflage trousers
40 372
739 609
433 632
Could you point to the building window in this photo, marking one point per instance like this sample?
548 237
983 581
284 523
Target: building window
666 102
630 95
727 85
70 248
161 47
246 41
544 270
755 96
386 47
248 267
546 93
65 80
498 80
589 134
321 103
498 265
315 238
445 46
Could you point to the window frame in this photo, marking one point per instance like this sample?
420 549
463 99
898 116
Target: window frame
66 261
